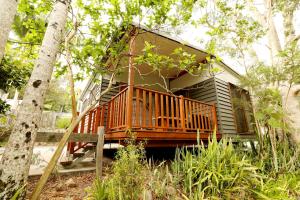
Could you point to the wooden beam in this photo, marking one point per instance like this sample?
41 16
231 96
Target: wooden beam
99 152
48 136
130 80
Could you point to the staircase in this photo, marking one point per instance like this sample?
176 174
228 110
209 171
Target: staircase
78 150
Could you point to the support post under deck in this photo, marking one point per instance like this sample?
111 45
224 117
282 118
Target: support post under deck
130 79
99 152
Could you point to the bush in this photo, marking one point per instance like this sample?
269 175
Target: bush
215 171
129 176
63 122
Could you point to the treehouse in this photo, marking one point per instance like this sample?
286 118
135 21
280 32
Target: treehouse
168 107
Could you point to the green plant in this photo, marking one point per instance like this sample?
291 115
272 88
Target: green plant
129 173
4 107
97 191
62 122
216 171
18 193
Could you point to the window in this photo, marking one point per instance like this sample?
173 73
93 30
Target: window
242 109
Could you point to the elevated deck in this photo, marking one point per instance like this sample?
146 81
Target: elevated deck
161 119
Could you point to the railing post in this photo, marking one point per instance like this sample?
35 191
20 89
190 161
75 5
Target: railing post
181 108
133 35
99 152
97 119
103 115
215 117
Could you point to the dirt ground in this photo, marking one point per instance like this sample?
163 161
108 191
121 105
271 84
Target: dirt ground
64 186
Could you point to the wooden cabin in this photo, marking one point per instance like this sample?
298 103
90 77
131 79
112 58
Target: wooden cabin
167 111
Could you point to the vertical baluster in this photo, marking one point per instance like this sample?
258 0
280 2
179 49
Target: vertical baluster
120 109
82 124
215 126
195 115
112 114
93 120
162 110
191 114
198 115
137 109
172 111
116 109
209 117
150 109
202 116
89 122
205 116
108 118
167 111
144 111
103 108
156 109
177 111
97 119
116 112
182 113
186 109
123 108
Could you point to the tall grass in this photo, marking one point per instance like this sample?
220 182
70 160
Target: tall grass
215 170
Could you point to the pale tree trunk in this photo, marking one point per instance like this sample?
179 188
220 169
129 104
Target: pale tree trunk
274 42
41 183
70 71
289 89
8 9
16 159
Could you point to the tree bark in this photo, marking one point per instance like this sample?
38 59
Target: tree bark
18 151
39 186
8 10
70 73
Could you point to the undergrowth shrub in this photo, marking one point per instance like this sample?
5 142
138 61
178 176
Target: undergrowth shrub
62 122
285 186
128 178
215 171
129 173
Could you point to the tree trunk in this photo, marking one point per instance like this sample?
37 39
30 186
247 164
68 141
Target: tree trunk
70 71
18 151
39 186
8 10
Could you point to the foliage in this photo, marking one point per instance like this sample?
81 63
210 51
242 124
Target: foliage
18 193
12 73
129 175
285 186
216 171
22 49
98 191
57 99
4 107
105 34
63 122
178 59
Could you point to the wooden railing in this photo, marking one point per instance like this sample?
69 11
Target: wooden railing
151 111
159 111
88 125
116 118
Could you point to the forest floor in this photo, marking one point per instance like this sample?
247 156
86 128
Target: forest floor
64 186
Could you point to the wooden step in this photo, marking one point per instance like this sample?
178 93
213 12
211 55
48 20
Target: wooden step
66 163
89 147
78 154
